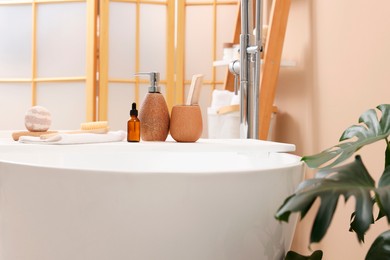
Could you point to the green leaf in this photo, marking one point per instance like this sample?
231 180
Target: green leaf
369 130
348 180
380 249
354 225
387 155
291 255
382 194
385 122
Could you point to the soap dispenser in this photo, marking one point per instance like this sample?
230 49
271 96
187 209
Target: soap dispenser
154 115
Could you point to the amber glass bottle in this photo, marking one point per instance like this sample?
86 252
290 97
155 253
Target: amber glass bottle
133 125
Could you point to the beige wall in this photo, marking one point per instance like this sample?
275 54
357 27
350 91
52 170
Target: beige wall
343 51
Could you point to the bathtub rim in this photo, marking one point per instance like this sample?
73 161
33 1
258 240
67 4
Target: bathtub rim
217 145
297 163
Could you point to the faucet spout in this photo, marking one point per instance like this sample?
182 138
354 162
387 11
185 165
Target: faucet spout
250 48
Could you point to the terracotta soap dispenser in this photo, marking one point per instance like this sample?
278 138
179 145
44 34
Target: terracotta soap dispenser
154 114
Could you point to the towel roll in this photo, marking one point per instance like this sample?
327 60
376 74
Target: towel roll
85 138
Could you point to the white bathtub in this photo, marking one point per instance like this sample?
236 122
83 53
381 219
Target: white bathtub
211 200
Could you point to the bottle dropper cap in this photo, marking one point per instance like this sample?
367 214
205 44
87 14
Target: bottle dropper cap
134 111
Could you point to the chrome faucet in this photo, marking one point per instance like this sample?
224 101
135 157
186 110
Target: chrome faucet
248 69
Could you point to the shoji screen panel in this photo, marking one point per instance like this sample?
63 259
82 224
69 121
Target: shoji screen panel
135 36
203 27
15 64
60 62
43 55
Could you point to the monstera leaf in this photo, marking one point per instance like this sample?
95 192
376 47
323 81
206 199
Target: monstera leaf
348 180
382 194
382 198
368 131
291 255
380 249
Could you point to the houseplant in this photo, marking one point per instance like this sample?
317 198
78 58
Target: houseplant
335 178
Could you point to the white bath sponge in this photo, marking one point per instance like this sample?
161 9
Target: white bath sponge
37 119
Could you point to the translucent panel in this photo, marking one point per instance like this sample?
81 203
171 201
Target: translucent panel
199 1
148 1
61 40
199 41
226 17
15 43
15 99
122 40
65 101
17 1
143 90
120 98
153 39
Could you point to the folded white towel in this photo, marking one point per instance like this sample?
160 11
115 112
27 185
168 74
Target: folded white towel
85 138
221 98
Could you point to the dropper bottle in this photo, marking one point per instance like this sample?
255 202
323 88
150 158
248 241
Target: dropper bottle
133 125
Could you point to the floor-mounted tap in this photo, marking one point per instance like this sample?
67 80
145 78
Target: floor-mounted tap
248 69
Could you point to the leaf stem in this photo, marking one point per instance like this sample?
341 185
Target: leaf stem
387 153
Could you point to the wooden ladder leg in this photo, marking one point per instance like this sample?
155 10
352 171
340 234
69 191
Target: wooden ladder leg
270 68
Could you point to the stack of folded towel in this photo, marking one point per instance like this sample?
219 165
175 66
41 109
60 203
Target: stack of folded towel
80 138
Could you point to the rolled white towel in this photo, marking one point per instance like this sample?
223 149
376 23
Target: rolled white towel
221 98
235 99
84 138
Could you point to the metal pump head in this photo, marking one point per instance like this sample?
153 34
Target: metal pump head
154 78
